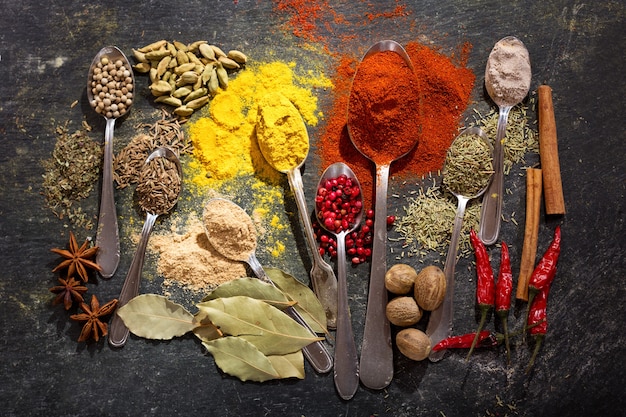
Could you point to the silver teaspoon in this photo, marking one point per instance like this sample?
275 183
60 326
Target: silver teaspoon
440 322
110 93
507 79
346 371
118 333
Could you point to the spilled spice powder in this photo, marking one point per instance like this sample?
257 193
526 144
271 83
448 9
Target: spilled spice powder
446 87
189 260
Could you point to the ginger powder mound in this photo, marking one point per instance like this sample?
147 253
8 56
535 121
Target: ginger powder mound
189 260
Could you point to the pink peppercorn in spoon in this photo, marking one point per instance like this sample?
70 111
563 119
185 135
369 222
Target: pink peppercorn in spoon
339 209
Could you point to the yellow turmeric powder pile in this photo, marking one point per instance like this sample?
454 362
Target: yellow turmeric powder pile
224 141
227 156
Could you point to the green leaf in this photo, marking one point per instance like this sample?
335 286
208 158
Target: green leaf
276 332
290 365
241 359
155 317
307 303
251 287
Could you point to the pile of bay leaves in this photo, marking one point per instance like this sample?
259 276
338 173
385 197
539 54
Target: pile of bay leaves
240 323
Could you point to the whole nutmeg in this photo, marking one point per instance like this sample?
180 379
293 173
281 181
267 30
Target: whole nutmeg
430 288
403 311
399 279
413 343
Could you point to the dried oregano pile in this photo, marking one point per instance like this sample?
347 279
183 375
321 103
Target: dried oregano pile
70 175
239 323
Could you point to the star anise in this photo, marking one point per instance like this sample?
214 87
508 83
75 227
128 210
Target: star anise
77 259
93 327
68 291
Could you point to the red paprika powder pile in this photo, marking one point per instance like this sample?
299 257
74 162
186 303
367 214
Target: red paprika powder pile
383 99
445 88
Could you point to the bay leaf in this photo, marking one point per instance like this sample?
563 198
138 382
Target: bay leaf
241 315
206 330
153 316
307 303
241 359
251 287
290 365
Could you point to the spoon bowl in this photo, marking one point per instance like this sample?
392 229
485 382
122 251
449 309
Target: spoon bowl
440 322
346 374
376 366
316 352
506 91
323 278
118 333
100 97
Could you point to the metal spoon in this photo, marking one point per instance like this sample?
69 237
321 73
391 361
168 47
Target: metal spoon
118 332
376 353
316 352
107 238
346 371
323 278
440 322
492 200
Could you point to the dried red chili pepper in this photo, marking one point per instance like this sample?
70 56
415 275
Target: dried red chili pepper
504 288
537 322
485 339
545 271
485 284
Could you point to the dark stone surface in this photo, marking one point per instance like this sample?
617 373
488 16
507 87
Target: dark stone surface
576 48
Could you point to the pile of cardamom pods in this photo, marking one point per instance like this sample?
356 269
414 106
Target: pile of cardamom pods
186 76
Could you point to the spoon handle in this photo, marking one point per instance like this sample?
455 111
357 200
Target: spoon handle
118 332
440 322
376 352
323 278
107 238
346 371
491 210
316 353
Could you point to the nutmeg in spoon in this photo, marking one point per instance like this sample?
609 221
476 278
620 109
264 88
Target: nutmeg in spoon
110 91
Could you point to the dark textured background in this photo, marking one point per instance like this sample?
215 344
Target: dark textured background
577 48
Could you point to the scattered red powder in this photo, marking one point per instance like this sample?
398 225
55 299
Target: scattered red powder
445 87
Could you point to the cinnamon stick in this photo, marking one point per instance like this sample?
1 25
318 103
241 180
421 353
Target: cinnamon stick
531 231
549 153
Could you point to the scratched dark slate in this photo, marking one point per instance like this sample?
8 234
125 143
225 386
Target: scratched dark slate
577 48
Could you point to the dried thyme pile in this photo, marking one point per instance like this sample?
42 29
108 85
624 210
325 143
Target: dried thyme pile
70 175
521 138
428 220
429 215
164 132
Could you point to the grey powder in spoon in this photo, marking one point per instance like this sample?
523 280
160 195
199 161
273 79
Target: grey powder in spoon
508 72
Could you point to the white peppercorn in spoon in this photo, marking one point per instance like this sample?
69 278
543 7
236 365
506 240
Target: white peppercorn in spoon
110 93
